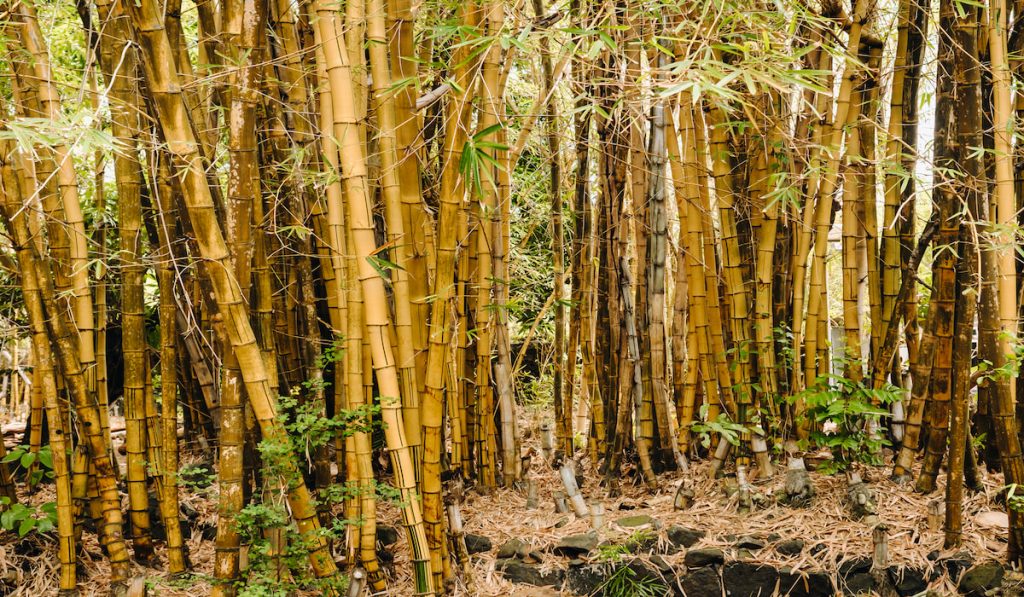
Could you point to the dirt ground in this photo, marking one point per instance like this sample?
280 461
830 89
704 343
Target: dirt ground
28 567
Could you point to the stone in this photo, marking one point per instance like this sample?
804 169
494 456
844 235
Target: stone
643 543
702 582
584 580
645 573
804 584
680 536
854 565
561 523
744 554
477 543
511 548
748 579
695 558
956 564
387 535
749 543
188 512
575 545
992 520
529 574
855 577
790 547
907 581
982 578
661 564
639 520
858 583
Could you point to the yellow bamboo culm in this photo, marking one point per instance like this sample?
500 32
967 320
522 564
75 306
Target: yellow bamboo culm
360 230
30 266
163 85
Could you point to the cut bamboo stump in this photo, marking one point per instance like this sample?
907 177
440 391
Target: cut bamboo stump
547 441
880 540
356 582
572 491
684 498
561 505
531 494
596 515
936 511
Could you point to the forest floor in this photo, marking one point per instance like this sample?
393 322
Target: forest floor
829 540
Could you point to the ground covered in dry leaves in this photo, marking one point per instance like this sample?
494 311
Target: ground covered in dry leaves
829 534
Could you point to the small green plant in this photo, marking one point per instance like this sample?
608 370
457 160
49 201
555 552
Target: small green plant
1014 500
536 392
721 425
625 582
309 428
25 519
273 573
611 552
26 459
846 415
196 477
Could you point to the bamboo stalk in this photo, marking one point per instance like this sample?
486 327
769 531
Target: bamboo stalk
164 90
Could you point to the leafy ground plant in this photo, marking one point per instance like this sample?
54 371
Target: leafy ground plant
845 416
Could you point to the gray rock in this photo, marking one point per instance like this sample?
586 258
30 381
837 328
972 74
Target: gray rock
907 581
805 584
646 573
208 531
643 544
980 579
749 543
511 548
790 547
585 580
695 558
854 565
748 579
855 577
528 574
682 536
575 545
386 535
702 582
638 520
956 564
858 583
477 543
661 563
